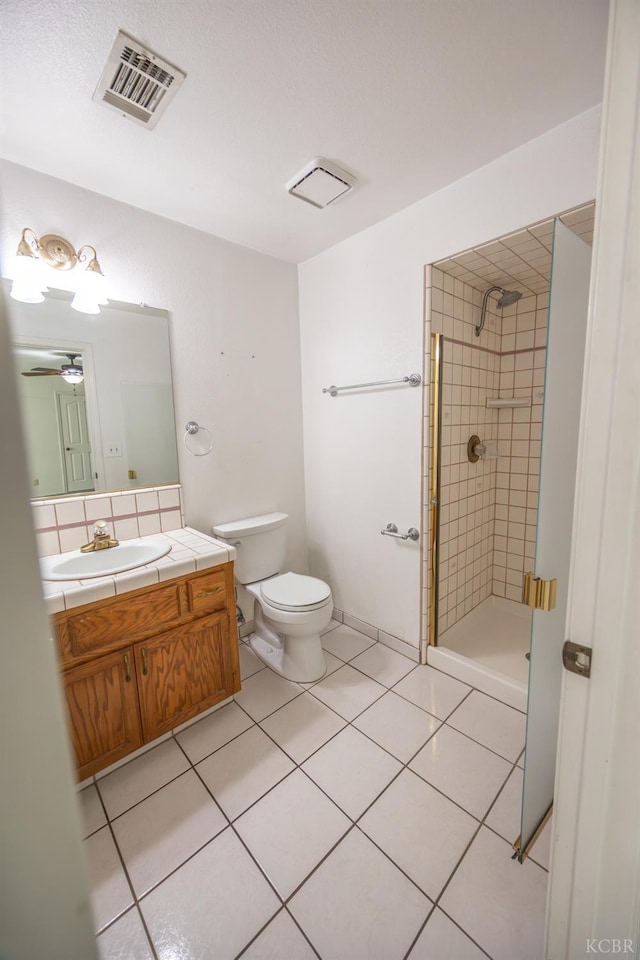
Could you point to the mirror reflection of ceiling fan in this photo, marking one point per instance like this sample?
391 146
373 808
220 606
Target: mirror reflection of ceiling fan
72 372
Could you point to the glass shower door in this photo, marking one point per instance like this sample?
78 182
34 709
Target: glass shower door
567 321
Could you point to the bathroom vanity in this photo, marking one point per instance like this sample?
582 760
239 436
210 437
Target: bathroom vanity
140 663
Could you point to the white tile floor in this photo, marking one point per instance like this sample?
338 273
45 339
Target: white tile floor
368 816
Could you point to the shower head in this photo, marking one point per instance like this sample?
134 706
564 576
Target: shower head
506 299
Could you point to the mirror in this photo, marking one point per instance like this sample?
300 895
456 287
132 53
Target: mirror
116 429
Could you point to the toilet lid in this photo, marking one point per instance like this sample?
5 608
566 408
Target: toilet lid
292 591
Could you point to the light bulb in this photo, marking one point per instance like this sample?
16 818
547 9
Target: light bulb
91 282
25 293
28 279
95 286
85 304
72 377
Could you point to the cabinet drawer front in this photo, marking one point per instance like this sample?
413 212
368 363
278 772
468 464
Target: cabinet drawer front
208 592
129 618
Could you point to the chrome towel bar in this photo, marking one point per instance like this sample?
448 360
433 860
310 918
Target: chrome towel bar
414 379
391 530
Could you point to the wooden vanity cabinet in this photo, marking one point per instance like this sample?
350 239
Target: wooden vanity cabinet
142 663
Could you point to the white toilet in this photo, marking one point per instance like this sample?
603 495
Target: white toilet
290 610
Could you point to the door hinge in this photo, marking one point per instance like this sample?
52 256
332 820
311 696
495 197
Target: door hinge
539 594
576 658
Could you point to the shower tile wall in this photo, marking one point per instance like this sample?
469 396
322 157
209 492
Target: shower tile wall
470 373
488 509
522 369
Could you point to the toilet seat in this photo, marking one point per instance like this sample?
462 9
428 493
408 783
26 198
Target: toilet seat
295 592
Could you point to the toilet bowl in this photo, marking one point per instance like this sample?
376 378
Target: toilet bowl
287 630
290 609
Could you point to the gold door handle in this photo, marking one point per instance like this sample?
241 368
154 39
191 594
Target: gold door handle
127 668
209 593
539 594
145 662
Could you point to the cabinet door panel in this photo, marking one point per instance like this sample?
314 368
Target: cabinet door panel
103 714
185 671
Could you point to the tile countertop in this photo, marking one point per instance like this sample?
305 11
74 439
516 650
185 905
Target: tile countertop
190 551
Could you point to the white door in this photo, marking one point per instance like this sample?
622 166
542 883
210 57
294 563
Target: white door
594 883
75 442
568 305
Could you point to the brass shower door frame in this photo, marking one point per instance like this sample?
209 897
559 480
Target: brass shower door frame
437 344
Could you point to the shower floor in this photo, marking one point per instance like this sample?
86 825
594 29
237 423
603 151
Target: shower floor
496 634
487 649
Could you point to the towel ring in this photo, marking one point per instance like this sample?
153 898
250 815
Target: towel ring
198 447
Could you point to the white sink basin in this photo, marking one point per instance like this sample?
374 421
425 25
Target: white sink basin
129 554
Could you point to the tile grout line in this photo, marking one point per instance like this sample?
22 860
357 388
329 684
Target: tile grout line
347 723
231 824
298 766
464 853
405 766
136 903
283 909
107 824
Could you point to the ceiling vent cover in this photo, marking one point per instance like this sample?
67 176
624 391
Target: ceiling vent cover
321 182
136 82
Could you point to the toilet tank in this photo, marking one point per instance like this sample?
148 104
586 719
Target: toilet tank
260 543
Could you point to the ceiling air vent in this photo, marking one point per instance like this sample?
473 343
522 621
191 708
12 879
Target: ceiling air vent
321 182
136 82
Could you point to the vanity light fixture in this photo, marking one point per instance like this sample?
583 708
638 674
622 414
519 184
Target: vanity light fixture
30 282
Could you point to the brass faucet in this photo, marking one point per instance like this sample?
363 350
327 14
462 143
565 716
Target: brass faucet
101 539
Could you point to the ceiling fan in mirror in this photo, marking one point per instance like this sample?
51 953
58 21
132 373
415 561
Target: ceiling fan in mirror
72 372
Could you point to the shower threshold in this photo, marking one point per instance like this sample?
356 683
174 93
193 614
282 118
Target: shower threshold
487 648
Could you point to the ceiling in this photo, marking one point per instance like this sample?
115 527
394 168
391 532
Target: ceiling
407 95
520 260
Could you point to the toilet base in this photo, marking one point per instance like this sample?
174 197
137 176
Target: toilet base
307 666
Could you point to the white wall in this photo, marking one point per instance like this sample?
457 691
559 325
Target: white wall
234 341
361 317
44 907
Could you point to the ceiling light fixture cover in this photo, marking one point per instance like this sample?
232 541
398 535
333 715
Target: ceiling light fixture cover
137 82
321 182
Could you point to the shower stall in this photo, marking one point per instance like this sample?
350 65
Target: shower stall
504 341
488 387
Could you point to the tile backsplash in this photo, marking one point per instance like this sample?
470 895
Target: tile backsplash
67 523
